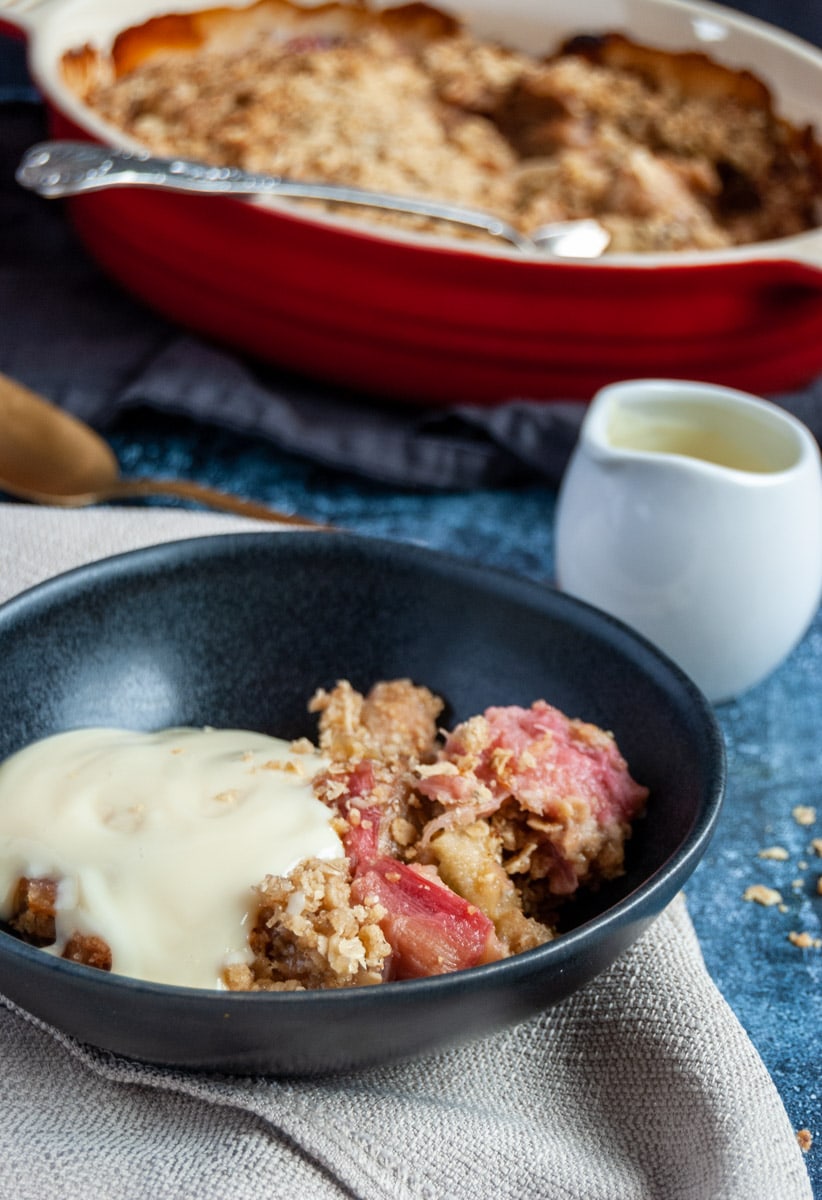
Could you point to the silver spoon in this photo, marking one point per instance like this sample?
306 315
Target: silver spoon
55 169
49 457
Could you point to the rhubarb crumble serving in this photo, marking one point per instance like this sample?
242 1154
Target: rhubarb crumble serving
670 151
391 850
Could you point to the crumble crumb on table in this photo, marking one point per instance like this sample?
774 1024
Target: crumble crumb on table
759 893
804 940
805 1139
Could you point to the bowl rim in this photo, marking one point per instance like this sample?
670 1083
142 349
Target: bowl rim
804 248
642 904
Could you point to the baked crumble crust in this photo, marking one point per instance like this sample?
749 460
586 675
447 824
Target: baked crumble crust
308 933
669 151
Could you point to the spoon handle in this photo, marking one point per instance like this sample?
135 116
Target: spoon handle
55 169
126 489
186 489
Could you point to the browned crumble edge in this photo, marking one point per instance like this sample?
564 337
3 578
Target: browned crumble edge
33 917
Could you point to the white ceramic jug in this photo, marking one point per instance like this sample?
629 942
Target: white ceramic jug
694 514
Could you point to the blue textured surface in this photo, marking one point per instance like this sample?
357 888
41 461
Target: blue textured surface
772 734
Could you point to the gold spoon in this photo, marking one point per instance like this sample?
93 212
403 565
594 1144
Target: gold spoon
48 456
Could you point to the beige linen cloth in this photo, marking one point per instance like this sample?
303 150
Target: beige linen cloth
643 1086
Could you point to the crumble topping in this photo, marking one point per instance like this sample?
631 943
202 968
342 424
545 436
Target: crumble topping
458 851
668 151
394 723
308 933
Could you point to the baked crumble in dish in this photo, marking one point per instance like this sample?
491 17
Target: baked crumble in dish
460 848
670 151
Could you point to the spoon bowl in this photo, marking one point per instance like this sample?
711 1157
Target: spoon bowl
48 456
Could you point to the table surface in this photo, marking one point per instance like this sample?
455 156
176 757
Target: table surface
772 733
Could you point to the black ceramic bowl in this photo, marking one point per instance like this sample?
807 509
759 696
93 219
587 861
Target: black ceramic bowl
238 631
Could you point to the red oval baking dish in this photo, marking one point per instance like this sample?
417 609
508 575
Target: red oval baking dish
429 319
